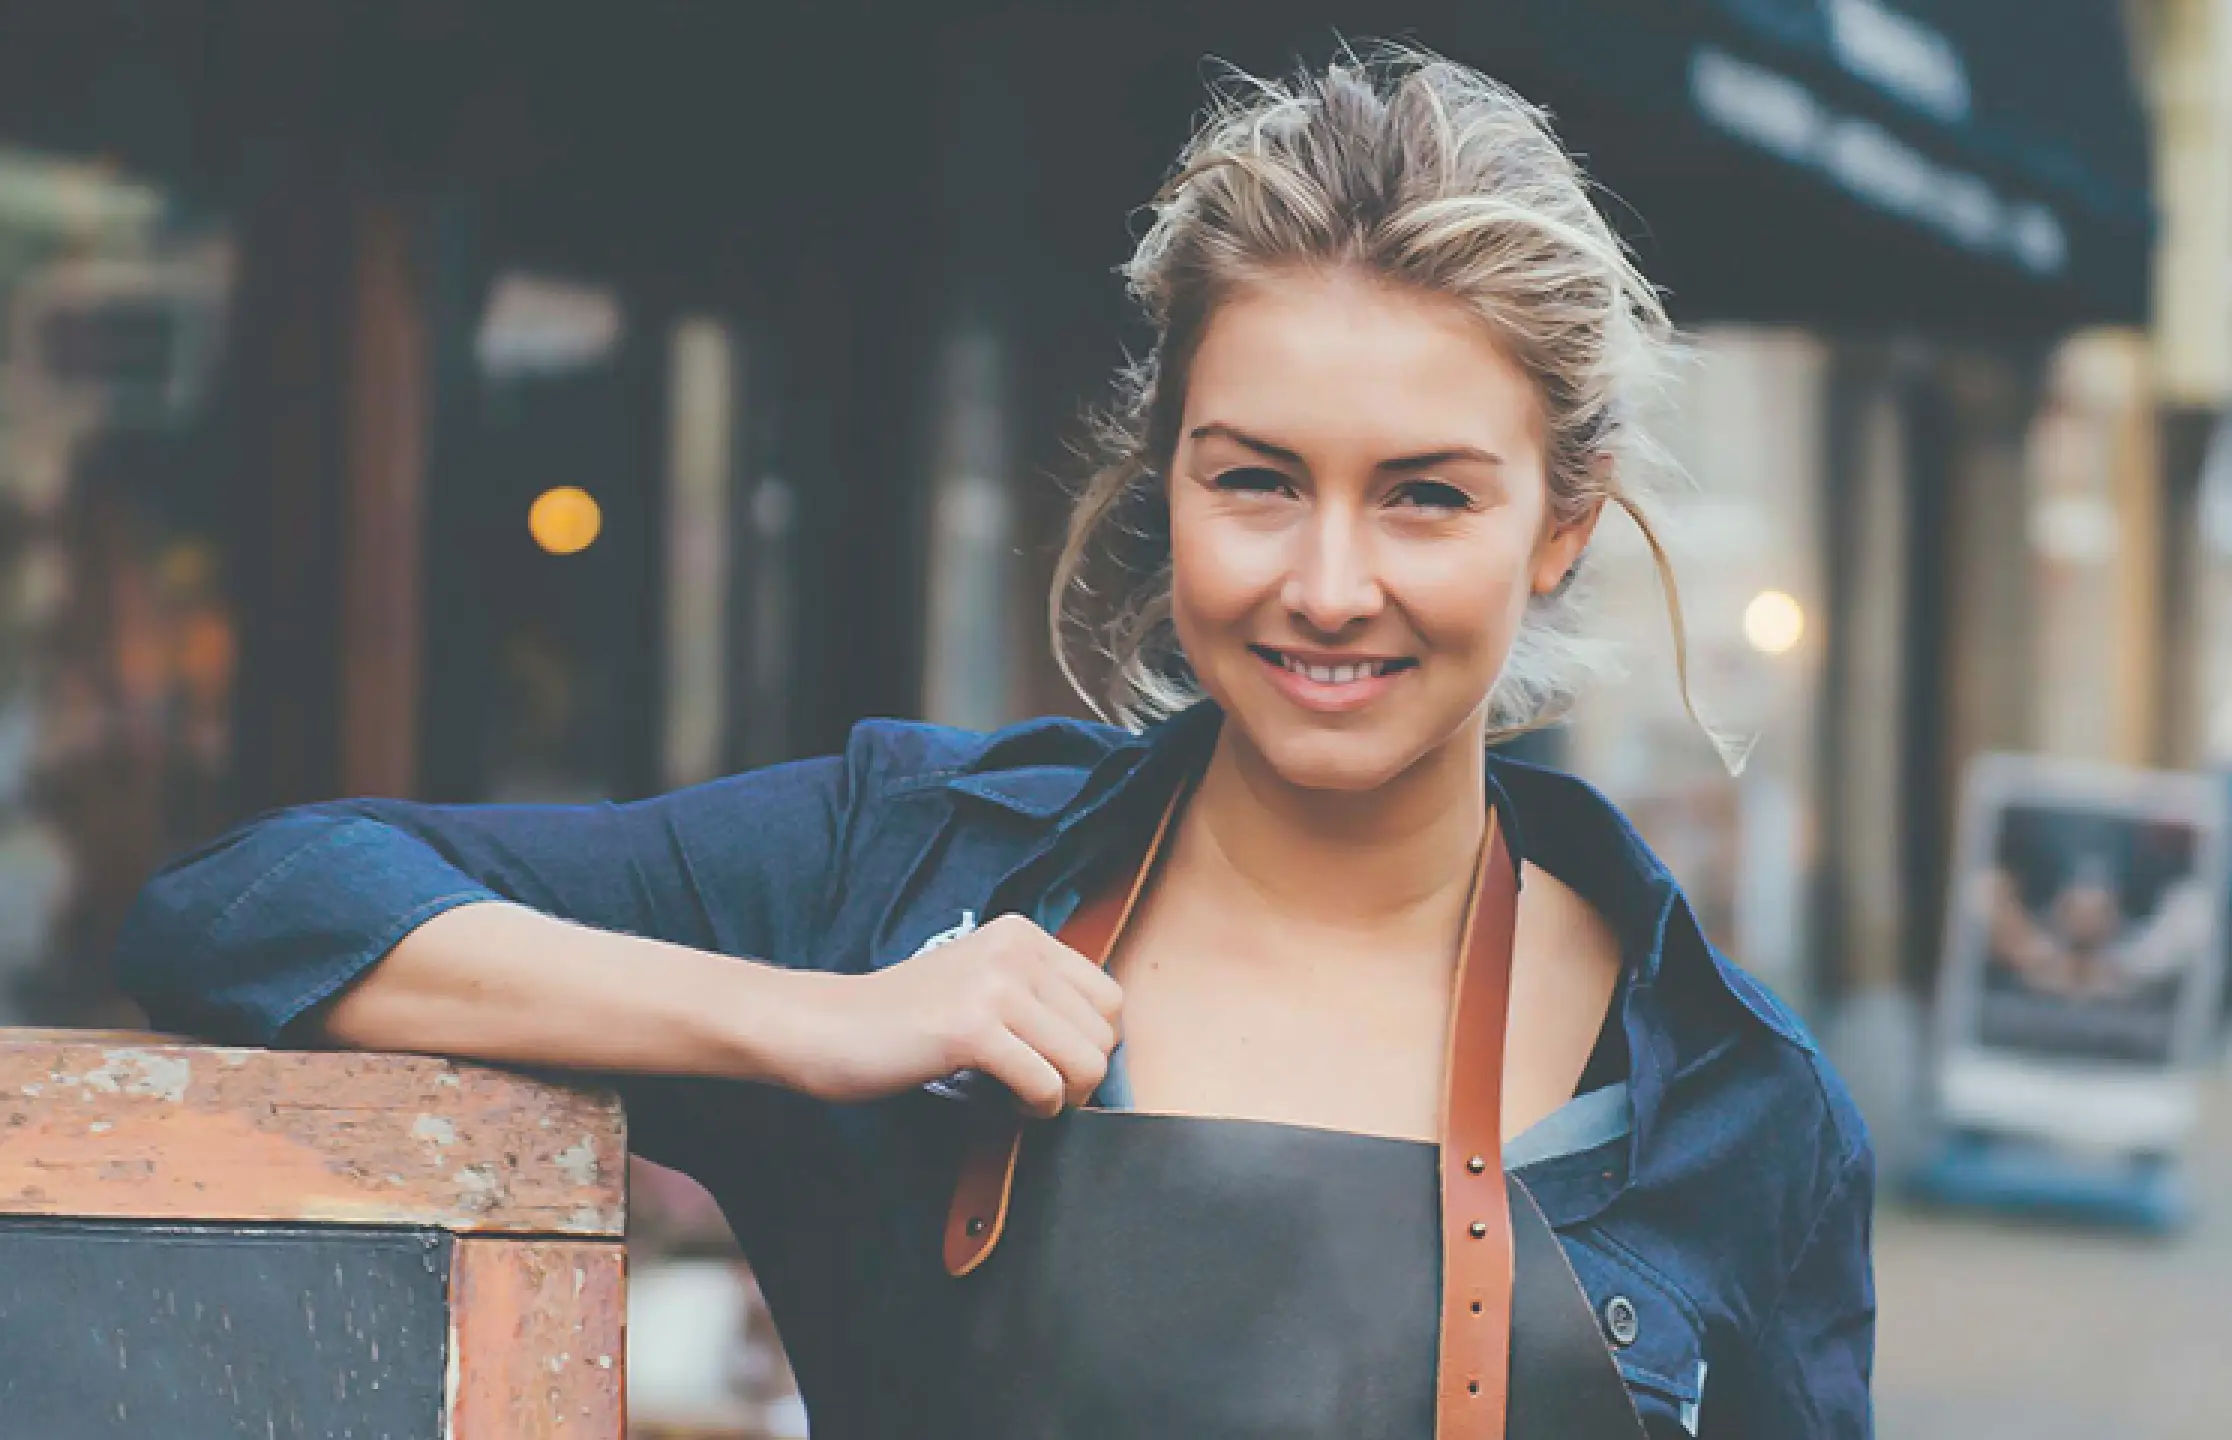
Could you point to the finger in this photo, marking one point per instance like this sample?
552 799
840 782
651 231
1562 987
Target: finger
1074 1007
1085 977
1037 1085
1082 1064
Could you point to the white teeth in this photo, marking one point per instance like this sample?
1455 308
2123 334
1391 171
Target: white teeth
1335 674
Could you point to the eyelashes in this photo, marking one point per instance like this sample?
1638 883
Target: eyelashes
1436 495
1252 479
1429 495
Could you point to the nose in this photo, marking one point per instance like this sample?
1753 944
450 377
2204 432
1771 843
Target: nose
1333 580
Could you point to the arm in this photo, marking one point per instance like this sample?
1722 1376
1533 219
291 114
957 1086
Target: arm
566 936
599 938
247 939
505 983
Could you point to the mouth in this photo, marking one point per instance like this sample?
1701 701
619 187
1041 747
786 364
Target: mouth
1325 682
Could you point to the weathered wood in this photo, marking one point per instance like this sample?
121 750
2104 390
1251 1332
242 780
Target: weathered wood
124 1126
538 1340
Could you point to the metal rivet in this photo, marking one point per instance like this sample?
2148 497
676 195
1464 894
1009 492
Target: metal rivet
1473 1386
976 1224
1480 1229
1620 1320
1477 1164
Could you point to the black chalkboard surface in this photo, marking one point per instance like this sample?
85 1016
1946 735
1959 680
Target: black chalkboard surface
118 1331
204 1243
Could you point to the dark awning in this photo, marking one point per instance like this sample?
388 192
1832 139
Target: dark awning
1961 163
1952 166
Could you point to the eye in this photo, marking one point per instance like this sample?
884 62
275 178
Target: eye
1433 495
1252 479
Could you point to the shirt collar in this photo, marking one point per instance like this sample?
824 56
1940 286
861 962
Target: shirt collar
1677 1002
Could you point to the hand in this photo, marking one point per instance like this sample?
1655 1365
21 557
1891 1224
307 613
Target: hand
1007 999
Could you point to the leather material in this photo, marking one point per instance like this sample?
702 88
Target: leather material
1166 1275
1475 1212
978 1214
1564 1381
1464 1290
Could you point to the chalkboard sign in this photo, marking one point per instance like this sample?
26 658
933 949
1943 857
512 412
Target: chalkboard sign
113 1331
215 1244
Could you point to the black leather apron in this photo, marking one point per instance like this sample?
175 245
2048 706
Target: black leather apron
1135 1276
1167 1276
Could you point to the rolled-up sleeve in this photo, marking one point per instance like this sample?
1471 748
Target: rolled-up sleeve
237 940
1817 1350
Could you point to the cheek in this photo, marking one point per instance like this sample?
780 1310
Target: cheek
1466 599
1220 570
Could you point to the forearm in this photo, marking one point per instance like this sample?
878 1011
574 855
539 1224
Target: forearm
504 983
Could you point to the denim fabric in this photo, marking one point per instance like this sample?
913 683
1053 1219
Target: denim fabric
1731 1209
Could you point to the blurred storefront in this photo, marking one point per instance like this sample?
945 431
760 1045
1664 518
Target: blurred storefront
117 630
523 403
591 423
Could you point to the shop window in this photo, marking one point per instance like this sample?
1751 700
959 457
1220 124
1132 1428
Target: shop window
117 634
975 627
1746 428
541 545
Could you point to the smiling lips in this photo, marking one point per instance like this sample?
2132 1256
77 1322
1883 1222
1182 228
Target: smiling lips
1321 682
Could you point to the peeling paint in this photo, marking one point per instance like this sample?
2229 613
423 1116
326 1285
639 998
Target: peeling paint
579 1162
141 1072
515 1329
192 1132
479 1185
453 1377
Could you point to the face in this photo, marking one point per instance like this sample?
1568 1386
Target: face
1358 514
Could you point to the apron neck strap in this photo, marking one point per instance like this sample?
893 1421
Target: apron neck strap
1475 1208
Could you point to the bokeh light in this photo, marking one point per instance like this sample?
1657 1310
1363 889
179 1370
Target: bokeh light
565 520
1774 622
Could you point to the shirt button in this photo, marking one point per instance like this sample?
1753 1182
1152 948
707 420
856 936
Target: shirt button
1620 1320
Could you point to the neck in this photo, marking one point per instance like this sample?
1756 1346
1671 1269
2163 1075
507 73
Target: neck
1407 850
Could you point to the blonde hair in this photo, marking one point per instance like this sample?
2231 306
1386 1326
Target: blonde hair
1423 174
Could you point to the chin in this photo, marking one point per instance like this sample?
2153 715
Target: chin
1326 759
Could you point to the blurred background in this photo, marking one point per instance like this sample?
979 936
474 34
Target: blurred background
507 401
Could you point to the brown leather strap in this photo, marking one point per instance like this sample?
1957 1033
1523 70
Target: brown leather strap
979 1210
1476 1213
1476 1217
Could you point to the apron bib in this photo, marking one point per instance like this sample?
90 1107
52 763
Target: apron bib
1121 1276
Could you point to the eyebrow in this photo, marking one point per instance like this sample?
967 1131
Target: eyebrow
1425 461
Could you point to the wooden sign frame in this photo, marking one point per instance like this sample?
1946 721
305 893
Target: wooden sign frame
526 1177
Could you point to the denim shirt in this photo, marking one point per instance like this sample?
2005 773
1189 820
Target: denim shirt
1716 1207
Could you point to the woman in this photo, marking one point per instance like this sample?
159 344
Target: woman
1399 372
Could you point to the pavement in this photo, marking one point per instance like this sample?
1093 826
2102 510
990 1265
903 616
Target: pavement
1998 1329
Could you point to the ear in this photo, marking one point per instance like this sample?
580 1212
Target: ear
1561 547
